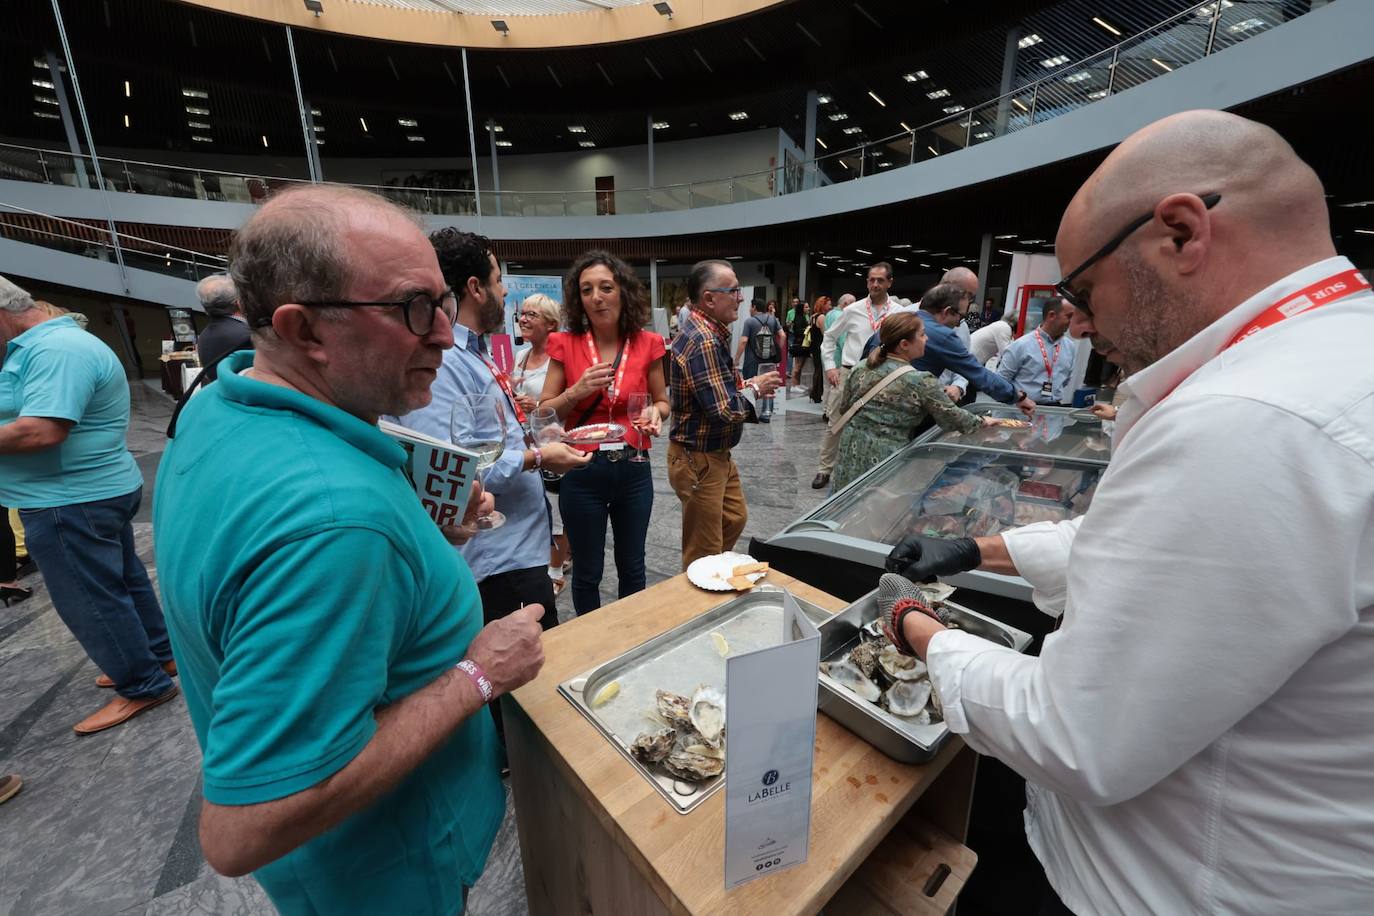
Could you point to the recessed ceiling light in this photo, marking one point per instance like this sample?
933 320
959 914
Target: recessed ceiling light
1019 104
938 94
738 115
874 96
915 76
1078 77
415 138
1365 231
195 93
42 84
128 90
822 100
1027 41
1208 10
585 144
661 125
885 165
503 143
317 128
1162 65
933 151
1108 26
198 125
863 251
264 141
363 122
1099 94
845 164
822 143
924 264
905 126
853 130
576 129
407 122
192 109
45 99
126 120
202 139
902 260
496 128
1010 235
839 116
1246 25
954 109
1050 63
733 257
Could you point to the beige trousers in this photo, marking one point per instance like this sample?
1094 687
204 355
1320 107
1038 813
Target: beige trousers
713 508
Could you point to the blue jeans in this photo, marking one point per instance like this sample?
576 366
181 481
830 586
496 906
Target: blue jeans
101 590
622 491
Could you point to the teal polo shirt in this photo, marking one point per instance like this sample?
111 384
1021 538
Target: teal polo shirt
305 587
57 370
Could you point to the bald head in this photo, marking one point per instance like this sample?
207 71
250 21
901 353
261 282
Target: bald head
1188 264
963 278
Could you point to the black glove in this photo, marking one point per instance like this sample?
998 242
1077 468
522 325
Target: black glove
921 559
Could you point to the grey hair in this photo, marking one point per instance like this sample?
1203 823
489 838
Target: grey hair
291 250
14 298
218 296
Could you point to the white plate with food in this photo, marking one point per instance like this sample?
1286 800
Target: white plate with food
726 572
595 434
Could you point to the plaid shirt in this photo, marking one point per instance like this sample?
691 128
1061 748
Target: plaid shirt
707 408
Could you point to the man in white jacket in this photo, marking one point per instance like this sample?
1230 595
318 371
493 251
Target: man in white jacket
1195 736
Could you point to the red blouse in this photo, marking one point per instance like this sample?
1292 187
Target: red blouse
642 350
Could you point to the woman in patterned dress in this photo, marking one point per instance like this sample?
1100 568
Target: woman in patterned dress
884 424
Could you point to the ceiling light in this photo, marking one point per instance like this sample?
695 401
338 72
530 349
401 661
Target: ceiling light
585 144
863 251
1027 41
822 143
198 125
317 128
363 122
198 138
1019 104
661 125
500 26
1050 63
954 109
45 99
40 63
738 115
1099 94
905 126
1208 10
496 128
407 122
128 90
664 9
42 84
853 130
415 138
822 100
319 141
983 134
1078 77
576 129
1010 235
874 96
1110 28
195 93
915 76
839 116
264 140
1358 203
938 94
503 143
932 151
924 264
886 165
845 164
126 120
192 109
1246 25
1032 241
904 245
733 257
316 113
902 260
1162 65
1365 231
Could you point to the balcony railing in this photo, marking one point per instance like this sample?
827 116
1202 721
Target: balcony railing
1197 32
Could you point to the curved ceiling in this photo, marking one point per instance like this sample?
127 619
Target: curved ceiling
512 24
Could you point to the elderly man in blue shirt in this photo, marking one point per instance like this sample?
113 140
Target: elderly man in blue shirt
1041 363
64 416
942 308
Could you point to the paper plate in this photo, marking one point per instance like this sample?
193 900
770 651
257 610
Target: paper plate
712 573
595 434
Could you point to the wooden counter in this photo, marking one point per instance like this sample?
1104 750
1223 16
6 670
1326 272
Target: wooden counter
596 838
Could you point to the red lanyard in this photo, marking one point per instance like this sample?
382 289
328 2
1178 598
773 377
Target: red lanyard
504 381
874 323
618 382
1323 292
1045 354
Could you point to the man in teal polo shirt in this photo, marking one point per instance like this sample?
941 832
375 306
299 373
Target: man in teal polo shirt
64 414
330 640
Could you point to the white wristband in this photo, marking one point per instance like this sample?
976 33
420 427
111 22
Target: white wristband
477 676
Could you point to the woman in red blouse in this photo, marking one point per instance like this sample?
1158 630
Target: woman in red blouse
604 357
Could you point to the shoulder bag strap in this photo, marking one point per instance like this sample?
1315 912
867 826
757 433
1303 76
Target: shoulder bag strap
869 395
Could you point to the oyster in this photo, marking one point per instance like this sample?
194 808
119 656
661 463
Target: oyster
708 714
651 747
847 674
675 709
684 764
865 656
908 699
937 709
900 667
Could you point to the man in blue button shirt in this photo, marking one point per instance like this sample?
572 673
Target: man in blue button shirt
942 308
64 415
1041 363
331 642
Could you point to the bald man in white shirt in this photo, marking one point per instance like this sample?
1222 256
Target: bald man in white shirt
1196 736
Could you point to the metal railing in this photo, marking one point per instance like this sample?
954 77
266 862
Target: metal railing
92 240
1188 36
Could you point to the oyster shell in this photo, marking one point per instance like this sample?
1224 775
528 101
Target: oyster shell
848 675
684 764
900 667
652 747
865 656
908 699
675 709
708 714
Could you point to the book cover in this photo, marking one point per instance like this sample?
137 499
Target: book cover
441 472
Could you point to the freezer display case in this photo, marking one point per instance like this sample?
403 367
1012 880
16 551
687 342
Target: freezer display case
947 484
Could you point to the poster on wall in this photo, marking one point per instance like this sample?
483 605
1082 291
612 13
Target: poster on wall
518 288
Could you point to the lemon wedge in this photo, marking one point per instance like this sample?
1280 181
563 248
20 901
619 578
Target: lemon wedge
722 647
606 694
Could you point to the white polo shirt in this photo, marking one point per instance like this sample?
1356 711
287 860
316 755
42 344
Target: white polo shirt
1198 737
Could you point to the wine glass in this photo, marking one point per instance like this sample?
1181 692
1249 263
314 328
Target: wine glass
639 406
478 424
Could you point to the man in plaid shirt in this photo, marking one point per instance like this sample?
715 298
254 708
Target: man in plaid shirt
708 414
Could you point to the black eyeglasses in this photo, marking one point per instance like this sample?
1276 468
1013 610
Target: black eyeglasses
727 290
1080 301
418 308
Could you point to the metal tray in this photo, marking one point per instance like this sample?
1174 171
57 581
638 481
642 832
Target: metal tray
896 737
678 661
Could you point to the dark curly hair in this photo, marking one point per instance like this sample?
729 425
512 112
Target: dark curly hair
462 255
634 300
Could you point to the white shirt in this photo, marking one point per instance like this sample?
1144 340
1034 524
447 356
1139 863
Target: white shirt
989 341
1198 737
856 323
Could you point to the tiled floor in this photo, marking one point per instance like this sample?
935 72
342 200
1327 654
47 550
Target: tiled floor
107 824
